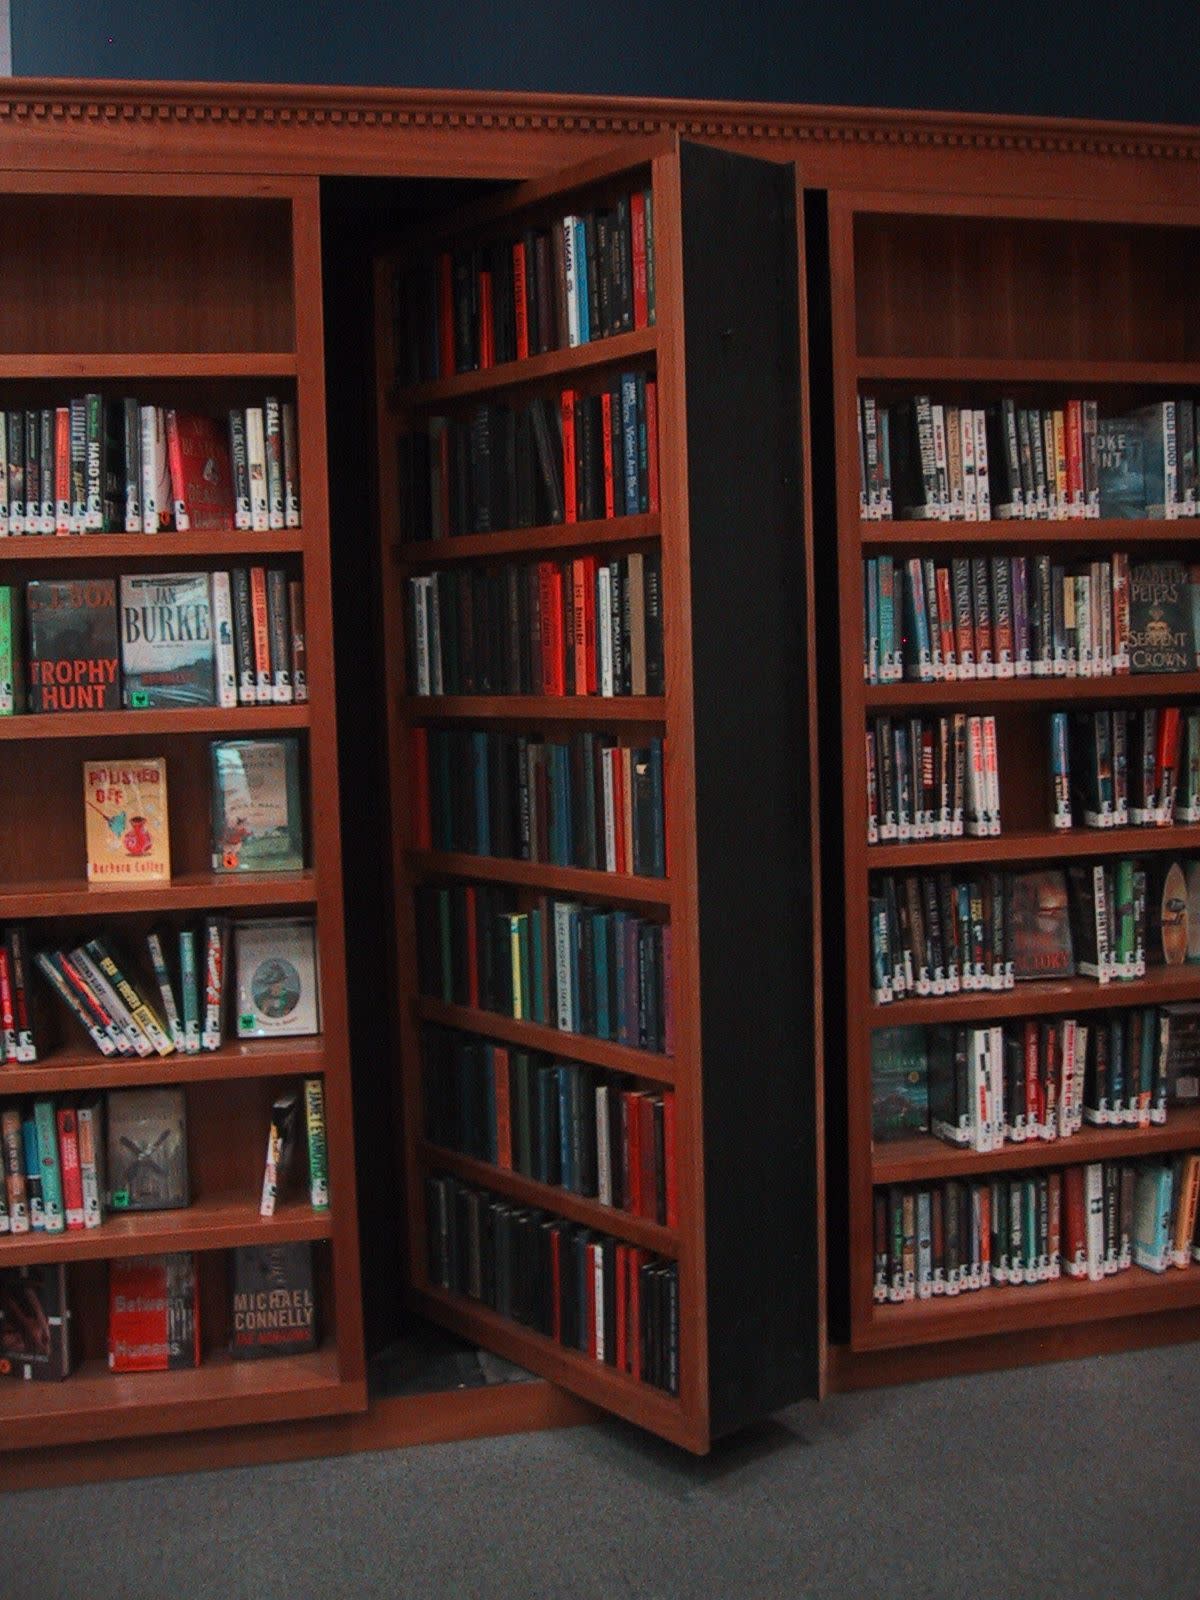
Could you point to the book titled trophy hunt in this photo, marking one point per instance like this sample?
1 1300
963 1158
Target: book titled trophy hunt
167 640
73 645
256 806
278 995
125 810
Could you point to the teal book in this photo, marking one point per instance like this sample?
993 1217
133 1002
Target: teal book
1152 1217
256 805
189 991
49 1166
1129 462
899 1083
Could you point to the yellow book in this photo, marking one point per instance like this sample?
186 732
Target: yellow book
1185 1217
125 806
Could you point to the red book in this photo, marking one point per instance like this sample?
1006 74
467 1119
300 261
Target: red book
262 634
68 1159
487 322
618 787
422 811
550 607
445 270
153 1314
201 477
579 614
503 1108
672 1181
945 613
592 678
646 1146
556 1283
606 440
472 947
635 1311
1074 1244
520 305
8 1016
622 1270
1075 492
570 505
652 442
589 1257
1033 1090
637 230
1166 762
62 469
633 1132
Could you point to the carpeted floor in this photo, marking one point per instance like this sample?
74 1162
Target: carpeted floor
1068 1480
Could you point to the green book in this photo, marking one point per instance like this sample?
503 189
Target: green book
12 653
526 975
48 1163
537 962
318 1154
899 1083
189 987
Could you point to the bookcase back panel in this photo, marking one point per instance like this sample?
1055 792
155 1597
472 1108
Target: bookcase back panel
197 273
1025 288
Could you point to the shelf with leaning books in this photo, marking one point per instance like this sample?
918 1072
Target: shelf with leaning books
582 535
66 1069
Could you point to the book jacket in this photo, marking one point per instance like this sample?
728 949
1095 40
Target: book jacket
125 810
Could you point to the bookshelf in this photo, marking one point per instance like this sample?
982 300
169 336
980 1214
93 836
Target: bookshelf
970 298
199 291
729 534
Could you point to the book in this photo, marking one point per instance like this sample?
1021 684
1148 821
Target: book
318 1154
126 820
153 1313
899 1083
278 994
73 647
200 471
256 805
36 1337
272 1304
167 653
12 650
147 1161
1160 618
1039 925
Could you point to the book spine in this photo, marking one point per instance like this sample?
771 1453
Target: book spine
72 1178
297 636
214 983
280 644
291 466
256 469
15 1188
91 1166
318 1157
49 1166
273 448
262 636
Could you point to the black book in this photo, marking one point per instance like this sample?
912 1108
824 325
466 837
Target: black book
272 1308
35 1323
654 623
73 653
1160 618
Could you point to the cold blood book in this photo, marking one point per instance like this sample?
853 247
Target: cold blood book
167 640
125 811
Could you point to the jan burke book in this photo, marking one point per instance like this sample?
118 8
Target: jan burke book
125 811
73 655
167 640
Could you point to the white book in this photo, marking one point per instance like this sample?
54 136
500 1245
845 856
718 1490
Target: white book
433 602
1171 496
983 496
88 1134
112 1002
999 1119
977 824
273 450
225 659
966 427
604 624
562 965
604 1188
418 587
597 1254
151 442
607 758
940 462
256 466
1093 1203
572 277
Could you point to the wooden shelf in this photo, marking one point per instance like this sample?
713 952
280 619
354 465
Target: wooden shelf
1041 846
155 720
95 1403
923 1158
532 541
1083 375
87 367
1005 691
1011 1307
66 1071
552 1041
212 547
626 887
622 347
549 1197
186 892
213 1222
536 708
1035 999
1039 532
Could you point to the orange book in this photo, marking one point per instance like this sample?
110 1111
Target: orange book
591 676
422 812
63 521
579 618
618 786
262 634
633 1158
570 503
125 807
504 1156
520 304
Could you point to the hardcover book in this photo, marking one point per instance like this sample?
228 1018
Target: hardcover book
1160 618
153 1314
1039 925
1129 459
125 808
167 640
201 475
35 1323
72 645
256 806
147 1150
278 993
12 651
1179 1044
272 1308
899 1083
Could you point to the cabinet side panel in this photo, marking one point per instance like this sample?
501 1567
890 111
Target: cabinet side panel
753 808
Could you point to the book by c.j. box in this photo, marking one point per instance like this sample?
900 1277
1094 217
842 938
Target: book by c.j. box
73 660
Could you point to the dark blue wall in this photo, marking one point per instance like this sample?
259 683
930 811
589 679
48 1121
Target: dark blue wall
1045 57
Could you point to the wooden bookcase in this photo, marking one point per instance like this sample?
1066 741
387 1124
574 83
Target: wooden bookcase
725 352
968 298
199 291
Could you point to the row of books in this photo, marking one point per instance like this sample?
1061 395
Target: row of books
581 626
1025 616
154 1312
593 1132
583 457
178 998
1122 767
925 460
163 639
96 465
584 277
932 778
946 932
586 801
1086 1221
981 1086
610 1301
576 967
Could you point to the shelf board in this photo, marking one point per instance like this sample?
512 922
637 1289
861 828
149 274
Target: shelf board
538 707
1011 1307
65 1071
94 1403
593 1380
1002 691
134 364
623 886
192 891
923 1158
552 1041
1085 375
213 1222
1045 845
555 363
1034 999
1115 531
517 541
154 720
549 1197
150 546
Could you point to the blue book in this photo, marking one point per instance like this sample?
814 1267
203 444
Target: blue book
1116 1067
1152 1217
658 864
643 504
33 1175
581 280
600 946
564 804
524 965
479 759
565 1166
619 919
871 620
1130 463
629 441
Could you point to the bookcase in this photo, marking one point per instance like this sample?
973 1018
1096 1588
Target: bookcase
196 291
722 355
967 299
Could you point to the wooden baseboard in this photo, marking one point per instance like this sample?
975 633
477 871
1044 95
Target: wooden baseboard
874 1369
387 1424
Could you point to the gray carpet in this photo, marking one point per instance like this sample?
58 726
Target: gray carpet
1067 1480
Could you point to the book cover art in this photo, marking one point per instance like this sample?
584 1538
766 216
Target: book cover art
201 474
73 654
1160 618
899 1083
1179 1033
12 651
167 640
256 806
125 810
35 1323
272 1307
277 984
153 1314
1039 925
1170 915
147 1162
1122 449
